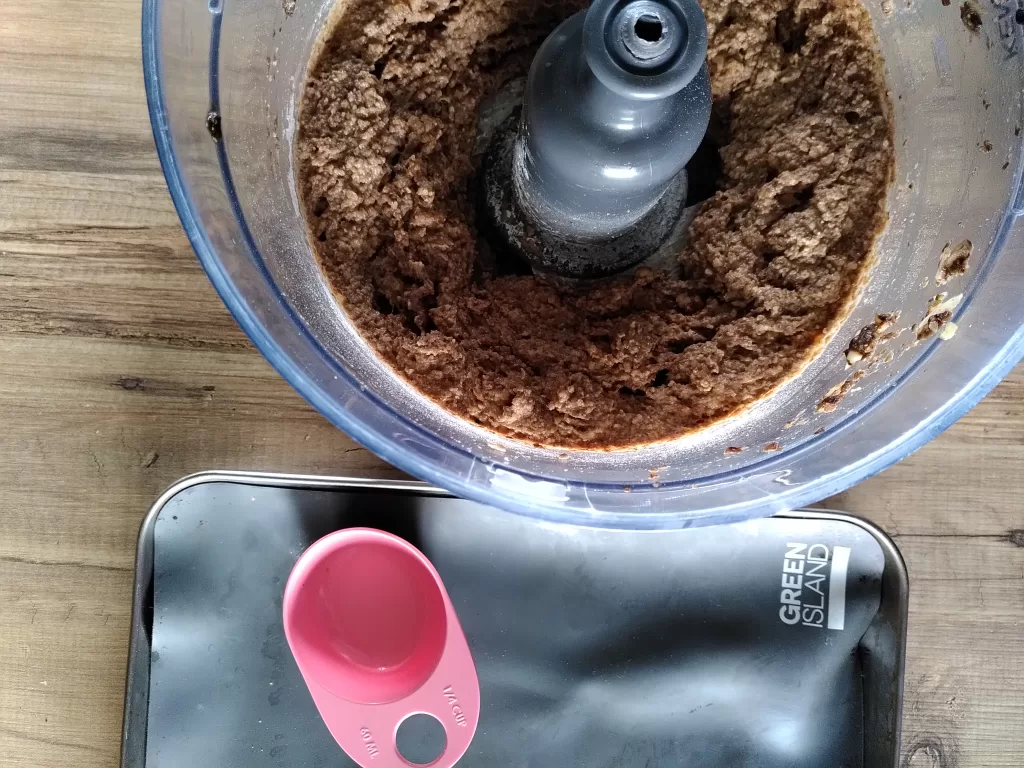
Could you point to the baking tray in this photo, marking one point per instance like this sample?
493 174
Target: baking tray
594 648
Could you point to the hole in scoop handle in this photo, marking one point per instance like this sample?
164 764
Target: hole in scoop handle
421 739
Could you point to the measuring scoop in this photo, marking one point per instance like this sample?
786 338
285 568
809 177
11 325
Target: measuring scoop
376 638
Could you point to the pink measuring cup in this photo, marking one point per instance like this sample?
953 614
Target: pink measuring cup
376 639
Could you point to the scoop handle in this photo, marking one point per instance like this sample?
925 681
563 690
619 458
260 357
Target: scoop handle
368 734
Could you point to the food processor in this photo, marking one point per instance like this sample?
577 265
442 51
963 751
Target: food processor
223 81
776 636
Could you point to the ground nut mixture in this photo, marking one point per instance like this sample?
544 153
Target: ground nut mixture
388 178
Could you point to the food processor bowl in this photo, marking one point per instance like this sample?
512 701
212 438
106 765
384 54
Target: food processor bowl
224 77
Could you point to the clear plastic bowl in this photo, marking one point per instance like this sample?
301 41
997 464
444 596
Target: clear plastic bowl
958 102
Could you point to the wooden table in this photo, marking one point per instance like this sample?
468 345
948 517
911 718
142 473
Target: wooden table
121 371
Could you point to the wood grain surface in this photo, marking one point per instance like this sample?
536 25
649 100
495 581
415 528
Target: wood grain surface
121 371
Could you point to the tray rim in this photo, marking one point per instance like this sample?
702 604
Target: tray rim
134 720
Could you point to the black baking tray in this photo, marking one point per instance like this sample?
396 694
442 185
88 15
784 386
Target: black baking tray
594 648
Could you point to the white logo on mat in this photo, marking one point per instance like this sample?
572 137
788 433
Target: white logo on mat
805 568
